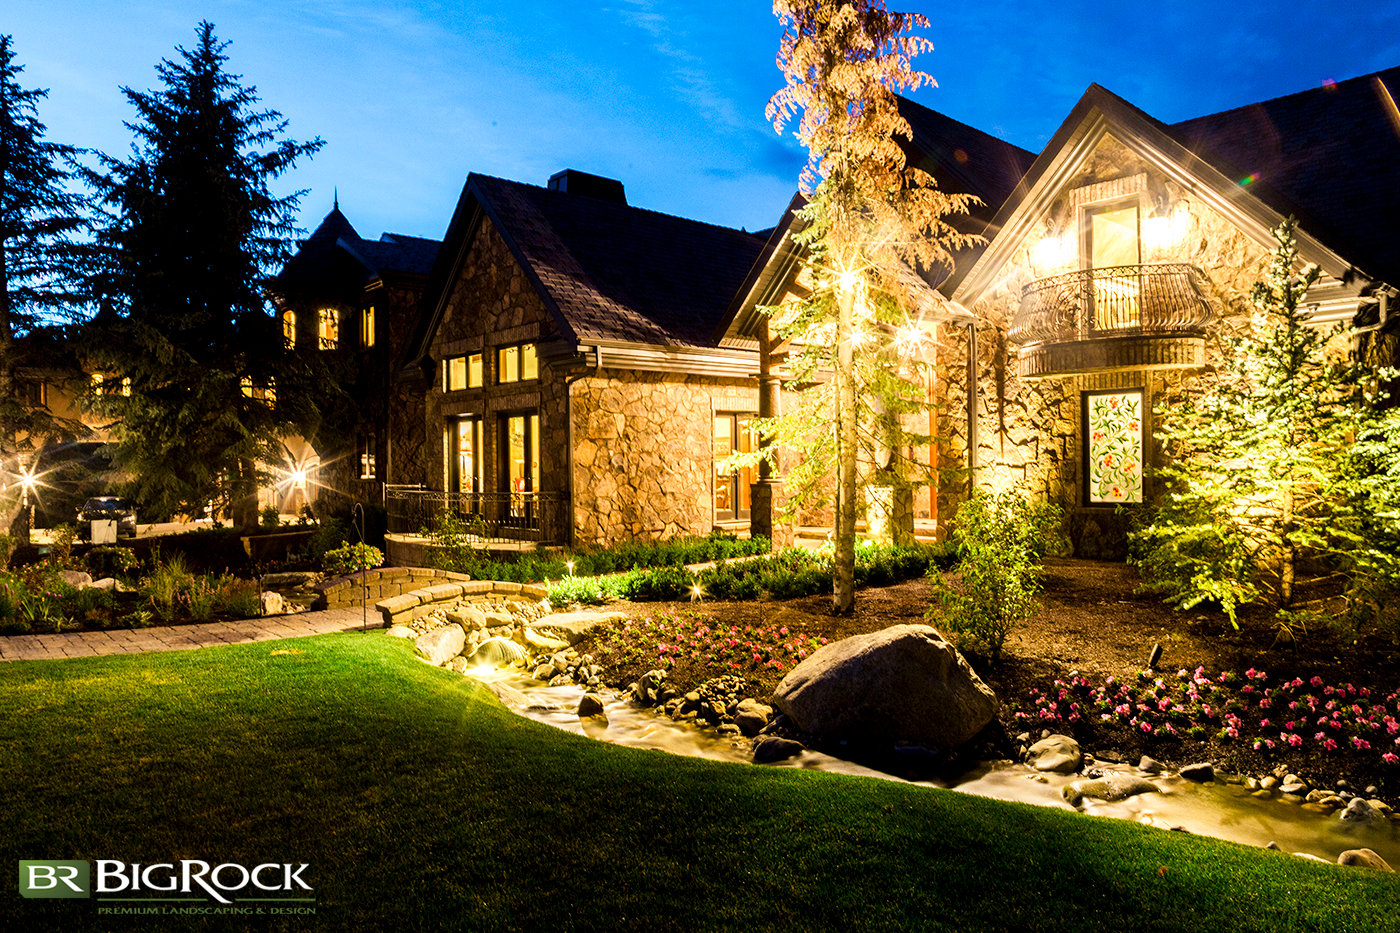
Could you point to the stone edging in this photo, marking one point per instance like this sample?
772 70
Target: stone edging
401 609
378 584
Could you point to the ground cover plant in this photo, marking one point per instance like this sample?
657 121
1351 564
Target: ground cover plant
345 753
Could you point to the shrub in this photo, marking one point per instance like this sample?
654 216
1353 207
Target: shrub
1000 541
107 561
351 558
586 590
269 517
167 588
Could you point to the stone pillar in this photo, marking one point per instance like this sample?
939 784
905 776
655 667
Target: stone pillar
763 492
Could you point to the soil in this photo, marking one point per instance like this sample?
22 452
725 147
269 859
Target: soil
1093 621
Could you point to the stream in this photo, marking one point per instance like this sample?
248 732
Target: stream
1226 811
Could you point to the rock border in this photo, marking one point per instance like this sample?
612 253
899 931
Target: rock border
412 604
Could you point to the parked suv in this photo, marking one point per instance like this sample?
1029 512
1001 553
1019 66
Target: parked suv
122 511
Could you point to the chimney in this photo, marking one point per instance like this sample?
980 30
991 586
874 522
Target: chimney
582 184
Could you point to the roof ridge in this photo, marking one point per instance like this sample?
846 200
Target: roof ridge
631 207
1270 100
977 130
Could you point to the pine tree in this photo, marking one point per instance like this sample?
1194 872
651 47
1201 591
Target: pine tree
871 222
39 217
1257 478
191 231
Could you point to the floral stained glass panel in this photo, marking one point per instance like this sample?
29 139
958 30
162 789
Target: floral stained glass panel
1114 422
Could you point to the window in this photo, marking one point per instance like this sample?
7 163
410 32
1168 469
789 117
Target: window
1111 242
467 461
462 372
366 446
328 329
367 333
289 329
517 363
110 385
1113 445
520 464
732 435
266 394
34 393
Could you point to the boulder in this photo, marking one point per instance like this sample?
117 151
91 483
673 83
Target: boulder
272 603
590 705
441 644
1200 772
542 643
1151 765
469 617
905 682
400 631
1112 786
771 748
750 716
1359 810
1058 753
1366 858
75 578
109 584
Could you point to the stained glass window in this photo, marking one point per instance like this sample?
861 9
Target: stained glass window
1113 447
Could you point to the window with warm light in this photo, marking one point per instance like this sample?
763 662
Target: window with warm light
34 393
462 372
367 449
465 466
517 363
732 435
259 393
328 329
289 329
367 333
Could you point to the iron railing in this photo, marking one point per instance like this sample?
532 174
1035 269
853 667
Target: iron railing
1088 304
542 517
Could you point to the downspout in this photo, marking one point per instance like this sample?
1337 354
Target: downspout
569 425
971 408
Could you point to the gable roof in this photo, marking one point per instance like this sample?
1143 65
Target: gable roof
319 266
1302 148
605 270
1329 155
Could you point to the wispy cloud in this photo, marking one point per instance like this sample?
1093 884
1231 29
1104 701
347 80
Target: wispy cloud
690 78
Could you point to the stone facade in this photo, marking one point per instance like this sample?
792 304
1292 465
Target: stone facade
1029 435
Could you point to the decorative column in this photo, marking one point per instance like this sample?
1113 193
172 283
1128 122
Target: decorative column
763 492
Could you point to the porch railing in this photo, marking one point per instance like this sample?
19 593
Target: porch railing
1165 299
541 517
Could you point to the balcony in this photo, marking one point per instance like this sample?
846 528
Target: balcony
1142 317
487 518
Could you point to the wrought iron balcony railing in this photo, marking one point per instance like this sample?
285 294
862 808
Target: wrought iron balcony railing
542 517
1166 299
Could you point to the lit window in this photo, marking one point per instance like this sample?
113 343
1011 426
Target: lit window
34 394
462 372
367 450
1113 447
125 388
328 329
516 363
289 328
367 327
265 394
732 435
96 380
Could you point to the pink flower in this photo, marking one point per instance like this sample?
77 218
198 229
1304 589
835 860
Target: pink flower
1329 745
1390 758
1360 743
1316 681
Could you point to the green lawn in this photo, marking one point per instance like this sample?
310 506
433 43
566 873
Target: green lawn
420 803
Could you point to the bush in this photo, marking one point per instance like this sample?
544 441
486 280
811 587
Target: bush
107 561
1000 541
269 517
586 590
351 558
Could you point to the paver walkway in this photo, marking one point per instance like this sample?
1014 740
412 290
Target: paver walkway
183 637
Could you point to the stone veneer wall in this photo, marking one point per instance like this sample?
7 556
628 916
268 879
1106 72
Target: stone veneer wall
373 585
1029 429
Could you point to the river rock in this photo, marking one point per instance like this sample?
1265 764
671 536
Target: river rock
1112 786
543 643
903 683
1359 810
1366 858
1058 753
770 748
441 644
1292 784
544 672
750 716
400 631
1151 765
272 603
590 705
1200 772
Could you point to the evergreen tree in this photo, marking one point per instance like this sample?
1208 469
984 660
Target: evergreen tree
1258 481
871 222
191 231
39 217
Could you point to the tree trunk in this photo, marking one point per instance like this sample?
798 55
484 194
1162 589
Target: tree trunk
844 582
1287 570
244 513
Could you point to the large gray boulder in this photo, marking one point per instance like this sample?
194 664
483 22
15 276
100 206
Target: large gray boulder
904 683
1058 753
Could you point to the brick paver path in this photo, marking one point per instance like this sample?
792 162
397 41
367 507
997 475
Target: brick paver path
182 637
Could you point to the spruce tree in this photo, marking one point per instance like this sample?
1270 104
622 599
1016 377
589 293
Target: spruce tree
872 222
40 214
1258 484
191 231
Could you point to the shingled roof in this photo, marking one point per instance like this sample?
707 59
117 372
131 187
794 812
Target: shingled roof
1329 155
320 263
608 271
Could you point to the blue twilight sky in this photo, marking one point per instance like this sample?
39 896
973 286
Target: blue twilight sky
667 95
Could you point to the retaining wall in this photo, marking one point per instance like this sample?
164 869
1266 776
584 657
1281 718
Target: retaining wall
372 586
401 609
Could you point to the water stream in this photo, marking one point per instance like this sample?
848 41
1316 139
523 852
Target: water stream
1226 811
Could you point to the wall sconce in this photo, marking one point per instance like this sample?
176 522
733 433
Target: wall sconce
1165 230
1052 253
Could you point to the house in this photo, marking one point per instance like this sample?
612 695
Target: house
1115 265
574 390
352 304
